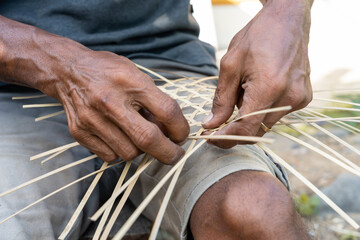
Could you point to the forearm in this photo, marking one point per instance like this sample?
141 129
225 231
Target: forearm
34 58
292 15
306 2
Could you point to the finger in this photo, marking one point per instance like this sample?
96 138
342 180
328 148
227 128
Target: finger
147 136
89 120
226 91
95 145
269 121
148 116
244 127
253 100
167 111
92 143
109 133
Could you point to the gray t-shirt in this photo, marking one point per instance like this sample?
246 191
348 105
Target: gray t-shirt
161 29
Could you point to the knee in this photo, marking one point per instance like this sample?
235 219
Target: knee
255 201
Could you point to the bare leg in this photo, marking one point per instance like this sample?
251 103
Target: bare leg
247 205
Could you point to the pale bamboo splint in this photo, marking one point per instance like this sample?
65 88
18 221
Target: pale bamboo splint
81 205
56 191
194 96
335 153
28 97
70 165
311 186
107 211
121 203
339 124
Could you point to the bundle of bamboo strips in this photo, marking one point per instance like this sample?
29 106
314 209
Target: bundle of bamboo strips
195 94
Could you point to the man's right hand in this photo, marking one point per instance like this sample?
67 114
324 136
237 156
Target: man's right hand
101 93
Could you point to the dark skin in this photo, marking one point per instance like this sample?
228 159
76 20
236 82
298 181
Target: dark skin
266 66
115 110
101 93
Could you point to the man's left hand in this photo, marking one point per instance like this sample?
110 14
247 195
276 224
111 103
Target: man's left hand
266 66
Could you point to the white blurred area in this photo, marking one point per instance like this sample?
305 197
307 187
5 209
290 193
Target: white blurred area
334 48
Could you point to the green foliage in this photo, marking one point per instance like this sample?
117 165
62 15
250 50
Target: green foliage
306 205
349 237
355 98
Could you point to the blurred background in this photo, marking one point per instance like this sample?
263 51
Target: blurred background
334 53
334 48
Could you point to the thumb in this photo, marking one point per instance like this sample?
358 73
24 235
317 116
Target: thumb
223 104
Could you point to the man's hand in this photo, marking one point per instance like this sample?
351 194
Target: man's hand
112 108
266 66
102 97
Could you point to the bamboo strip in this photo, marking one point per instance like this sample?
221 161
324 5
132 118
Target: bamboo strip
82 203
311 186
205 79
337 101
54 192
334 108
169 191
48 174
28 97
330 119
43 154
269 110
153 73
234 138
264 111
49 115
121 203
53 156
42 105
100 211
167 80
340 124
324 154
336 138
120 234
345 231
341 157
104 217
337 90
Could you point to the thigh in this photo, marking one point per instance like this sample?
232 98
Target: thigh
22 137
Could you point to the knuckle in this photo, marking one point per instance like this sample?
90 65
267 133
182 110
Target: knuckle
84 118
278 87
217 102
121 115
247 129
76 131
129 154
300 97
171 109
146 136
227 63
100 98
186 132
108 156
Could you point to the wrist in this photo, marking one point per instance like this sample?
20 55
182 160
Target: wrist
295 14
34 58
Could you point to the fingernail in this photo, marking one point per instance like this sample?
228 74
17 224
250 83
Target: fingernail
207 119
